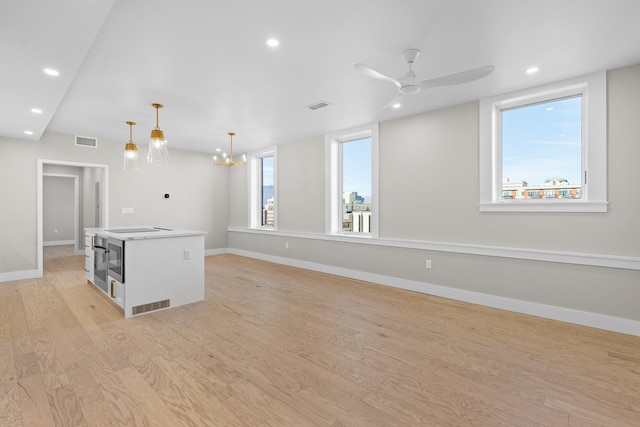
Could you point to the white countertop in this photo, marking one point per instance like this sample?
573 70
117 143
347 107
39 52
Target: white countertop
153 233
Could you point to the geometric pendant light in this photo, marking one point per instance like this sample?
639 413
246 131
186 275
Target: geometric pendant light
158 152
131 162
228 160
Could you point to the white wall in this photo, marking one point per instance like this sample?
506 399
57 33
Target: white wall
59 209
429 210
199 194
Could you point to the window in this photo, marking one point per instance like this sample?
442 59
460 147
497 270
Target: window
266 191
352 182
262 203
544 149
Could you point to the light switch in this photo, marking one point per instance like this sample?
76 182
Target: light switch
187 254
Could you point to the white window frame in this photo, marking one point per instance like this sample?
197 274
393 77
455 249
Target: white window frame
333 181
254 161
593 90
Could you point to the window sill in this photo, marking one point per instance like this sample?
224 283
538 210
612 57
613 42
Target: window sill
353 235
544 206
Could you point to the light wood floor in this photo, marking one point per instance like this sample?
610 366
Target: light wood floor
279 346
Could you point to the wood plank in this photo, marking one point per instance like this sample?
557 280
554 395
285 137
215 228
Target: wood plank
10 414
194 408
84 385
65 407
26 365
51 369
149 402
261 403
98 414
122 406
34 403
35 323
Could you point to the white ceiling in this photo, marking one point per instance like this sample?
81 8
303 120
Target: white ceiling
208 62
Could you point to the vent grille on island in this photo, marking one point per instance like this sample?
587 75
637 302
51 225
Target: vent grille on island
144 308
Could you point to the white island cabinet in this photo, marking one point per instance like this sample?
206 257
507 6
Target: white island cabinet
152 268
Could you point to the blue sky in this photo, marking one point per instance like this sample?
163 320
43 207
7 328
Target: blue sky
356 167
267 170
542 141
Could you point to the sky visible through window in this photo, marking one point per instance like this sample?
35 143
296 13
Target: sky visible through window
543 141
356 167
267 179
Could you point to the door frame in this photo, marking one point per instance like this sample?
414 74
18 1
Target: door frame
40 175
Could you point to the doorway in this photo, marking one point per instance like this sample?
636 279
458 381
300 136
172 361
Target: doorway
92 200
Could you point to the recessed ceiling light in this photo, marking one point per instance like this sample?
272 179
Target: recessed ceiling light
218 150
396 106
273 43
51 72
36 110
28 132
532 70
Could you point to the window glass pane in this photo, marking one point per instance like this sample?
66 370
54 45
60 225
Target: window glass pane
266 191
542 150
356 186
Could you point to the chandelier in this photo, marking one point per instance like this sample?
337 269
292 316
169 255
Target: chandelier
228 161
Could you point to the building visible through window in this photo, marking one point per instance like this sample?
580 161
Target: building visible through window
542 150
266 191
356 186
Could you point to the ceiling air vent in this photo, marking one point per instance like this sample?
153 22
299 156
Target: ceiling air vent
318 105
86 141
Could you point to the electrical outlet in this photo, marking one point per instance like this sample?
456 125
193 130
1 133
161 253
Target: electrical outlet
286 245
55 231
427 264
187 254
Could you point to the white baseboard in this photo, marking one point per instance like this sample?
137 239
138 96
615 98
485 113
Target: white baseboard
215 251
59 242
20 275
595 320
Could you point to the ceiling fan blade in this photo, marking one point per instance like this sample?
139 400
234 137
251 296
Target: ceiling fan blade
368 71
396 100
458 78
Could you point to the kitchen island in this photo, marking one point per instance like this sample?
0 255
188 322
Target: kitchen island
150 268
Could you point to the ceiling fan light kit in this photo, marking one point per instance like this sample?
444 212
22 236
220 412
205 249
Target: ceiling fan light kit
407 84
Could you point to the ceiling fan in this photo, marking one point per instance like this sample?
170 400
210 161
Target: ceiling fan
407 84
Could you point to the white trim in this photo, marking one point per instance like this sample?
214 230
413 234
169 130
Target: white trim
564 257
40 168
593 89
59 243
210 252
601 321
19 275
255 183
333 178
544 205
